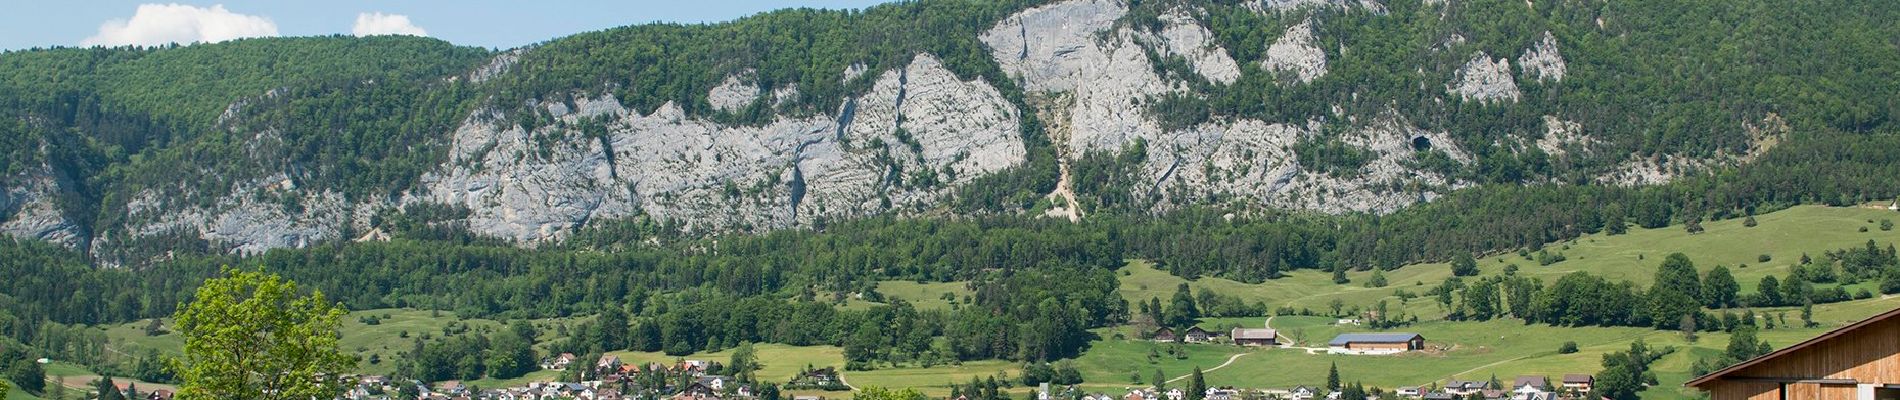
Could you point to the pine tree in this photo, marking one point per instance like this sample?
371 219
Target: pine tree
1332 377
107 390
1161 381
1197 386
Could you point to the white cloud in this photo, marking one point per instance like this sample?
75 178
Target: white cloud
371 24
158 24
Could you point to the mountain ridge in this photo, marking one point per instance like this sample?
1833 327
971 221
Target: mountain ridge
925 108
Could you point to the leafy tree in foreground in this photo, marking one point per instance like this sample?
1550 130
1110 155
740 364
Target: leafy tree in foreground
252 335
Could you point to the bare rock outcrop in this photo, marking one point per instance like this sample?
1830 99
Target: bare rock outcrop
29 209
917 135
1486 80
737 92
1297 52
1543 62
1186 37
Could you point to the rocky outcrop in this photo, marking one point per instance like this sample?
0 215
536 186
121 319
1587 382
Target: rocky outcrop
1099 84
1561 137
737 92
1486 80
259 215
29 209
1297 52
1186 37
1543 62
919 133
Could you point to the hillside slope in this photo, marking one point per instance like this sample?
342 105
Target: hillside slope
800 118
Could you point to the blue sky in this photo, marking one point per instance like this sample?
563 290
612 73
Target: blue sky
486 23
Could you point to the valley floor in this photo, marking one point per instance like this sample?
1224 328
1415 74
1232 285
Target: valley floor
1114 363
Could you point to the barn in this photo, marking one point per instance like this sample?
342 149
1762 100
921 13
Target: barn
1255 337
1376 343
1856 362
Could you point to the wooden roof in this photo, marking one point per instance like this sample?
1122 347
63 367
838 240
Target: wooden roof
1712 376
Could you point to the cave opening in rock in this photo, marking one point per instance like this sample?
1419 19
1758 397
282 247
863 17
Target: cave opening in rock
1421 143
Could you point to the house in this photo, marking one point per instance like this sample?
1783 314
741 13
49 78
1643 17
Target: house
1136 395
1164 334
1466 388
1176 394
1579 383
607 362
1255 337
1858 361
1304 393
1530 387
1196 335
1497 394
1225 393
820 376
559 362
160 394
1376 343
1407 391
1440 396
451 388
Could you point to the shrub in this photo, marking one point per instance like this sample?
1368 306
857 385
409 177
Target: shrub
1764 258
1568 348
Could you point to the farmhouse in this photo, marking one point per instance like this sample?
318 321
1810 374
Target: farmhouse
1256 337
1579 383
1466 388
1376 343
1164 334
1196 335
1856 362
1530 387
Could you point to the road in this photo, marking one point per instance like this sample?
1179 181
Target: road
1230 361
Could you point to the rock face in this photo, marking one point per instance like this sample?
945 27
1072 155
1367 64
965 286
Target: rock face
1071 52
735 93
246 222
1185 37
29 210
1485 80
1543 62
1297 52
919 133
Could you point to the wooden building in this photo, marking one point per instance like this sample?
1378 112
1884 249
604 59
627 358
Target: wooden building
1856 362
1164 334
1196 335
1255 337
1376 343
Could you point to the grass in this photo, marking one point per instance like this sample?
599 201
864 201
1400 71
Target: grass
924 296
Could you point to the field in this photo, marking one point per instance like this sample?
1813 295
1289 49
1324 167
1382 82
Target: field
925 296
1461 350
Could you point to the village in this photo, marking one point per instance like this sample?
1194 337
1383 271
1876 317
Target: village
611 379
